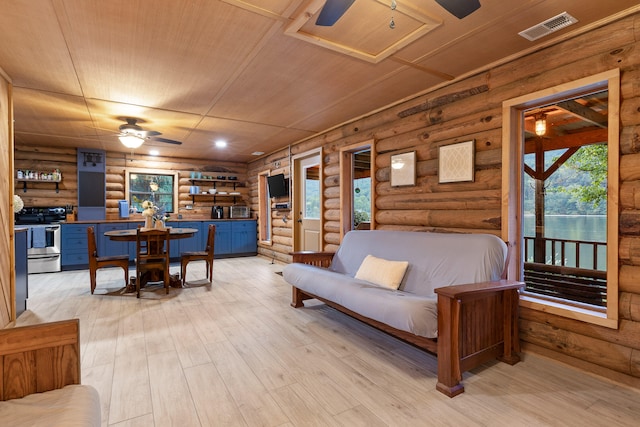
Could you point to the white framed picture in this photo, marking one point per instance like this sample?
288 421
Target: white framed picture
456 162
403 169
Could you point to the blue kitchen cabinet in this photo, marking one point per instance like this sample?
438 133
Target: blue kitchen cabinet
22 271
193 243
108 247
243 237
75 252
223 236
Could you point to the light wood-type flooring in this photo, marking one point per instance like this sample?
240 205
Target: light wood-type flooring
235 353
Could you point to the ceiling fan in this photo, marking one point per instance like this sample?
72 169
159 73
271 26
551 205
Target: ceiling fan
132 136
334 9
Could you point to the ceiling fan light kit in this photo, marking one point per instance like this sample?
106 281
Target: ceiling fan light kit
132 136
131 141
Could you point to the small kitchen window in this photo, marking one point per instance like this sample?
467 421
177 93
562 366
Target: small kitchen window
160 188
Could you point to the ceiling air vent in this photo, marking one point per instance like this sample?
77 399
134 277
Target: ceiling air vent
549 26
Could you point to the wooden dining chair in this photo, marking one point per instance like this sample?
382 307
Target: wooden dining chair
206 255
96 262
152 257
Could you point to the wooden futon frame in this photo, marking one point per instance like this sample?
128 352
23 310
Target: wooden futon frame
39 358
477 322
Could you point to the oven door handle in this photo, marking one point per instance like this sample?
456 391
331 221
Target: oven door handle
43 256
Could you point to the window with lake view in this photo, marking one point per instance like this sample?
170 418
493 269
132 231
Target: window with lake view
560 197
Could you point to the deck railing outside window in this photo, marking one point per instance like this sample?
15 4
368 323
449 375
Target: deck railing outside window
572 270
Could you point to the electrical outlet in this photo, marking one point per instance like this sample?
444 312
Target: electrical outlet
276 164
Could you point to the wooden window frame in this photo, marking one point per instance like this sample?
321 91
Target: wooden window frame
145 171
346 184
512 161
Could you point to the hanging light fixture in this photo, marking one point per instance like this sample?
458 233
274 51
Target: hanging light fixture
392 23
540 124
131 141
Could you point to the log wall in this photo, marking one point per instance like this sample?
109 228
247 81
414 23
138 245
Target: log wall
470 109
7 261
44 194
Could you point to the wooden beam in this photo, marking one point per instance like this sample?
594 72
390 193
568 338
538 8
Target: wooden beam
584 113
442 100
594 136
559 162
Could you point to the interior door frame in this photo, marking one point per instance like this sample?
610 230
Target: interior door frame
346 184
295 199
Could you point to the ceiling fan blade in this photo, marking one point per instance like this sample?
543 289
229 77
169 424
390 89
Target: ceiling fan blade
460 8
165 140
149 133
332 11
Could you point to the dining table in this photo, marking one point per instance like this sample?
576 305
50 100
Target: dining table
129 235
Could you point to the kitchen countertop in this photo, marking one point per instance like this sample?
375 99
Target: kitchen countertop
115 221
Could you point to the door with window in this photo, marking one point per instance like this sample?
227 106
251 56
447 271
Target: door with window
307 202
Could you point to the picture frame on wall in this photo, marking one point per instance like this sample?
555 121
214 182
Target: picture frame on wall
403 169
456 162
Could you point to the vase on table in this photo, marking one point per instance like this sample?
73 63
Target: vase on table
148 222
159 224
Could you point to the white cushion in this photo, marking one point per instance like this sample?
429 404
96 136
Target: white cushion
382 272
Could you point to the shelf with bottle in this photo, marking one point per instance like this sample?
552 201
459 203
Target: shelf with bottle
225 188
24 176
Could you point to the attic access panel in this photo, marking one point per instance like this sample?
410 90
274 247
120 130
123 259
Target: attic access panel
363 31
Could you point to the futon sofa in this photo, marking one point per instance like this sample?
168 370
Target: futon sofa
40 378
443 292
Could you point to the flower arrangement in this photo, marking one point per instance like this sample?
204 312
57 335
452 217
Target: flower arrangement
153 214
18 204
149 209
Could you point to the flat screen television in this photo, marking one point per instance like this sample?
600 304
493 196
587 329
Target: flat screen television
278 185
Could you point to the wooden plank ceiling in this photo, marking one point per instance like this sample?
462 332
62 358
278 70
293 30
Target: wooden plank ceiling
257 73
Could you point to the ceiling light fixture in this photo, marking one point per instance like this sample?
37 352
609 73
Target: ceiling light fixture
392 24
541 124
221 143
131 141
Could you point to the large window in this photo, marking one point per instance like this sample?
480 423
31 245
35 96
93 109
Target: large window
560 185
157 187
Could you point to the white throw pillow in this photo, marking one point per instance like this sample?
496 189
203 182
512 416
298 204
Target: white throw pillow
382 272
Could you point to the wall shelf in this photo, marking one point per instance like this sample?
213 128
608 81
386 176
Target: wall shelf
24 183
227 183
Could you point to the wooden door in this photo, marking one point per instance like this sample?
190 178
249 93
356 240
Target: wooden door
307 202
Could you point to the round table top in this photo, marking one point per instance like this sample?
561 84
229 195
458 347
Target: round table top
130 234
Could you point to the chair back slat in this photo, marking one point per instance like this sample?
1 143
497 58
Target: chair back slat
152 244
